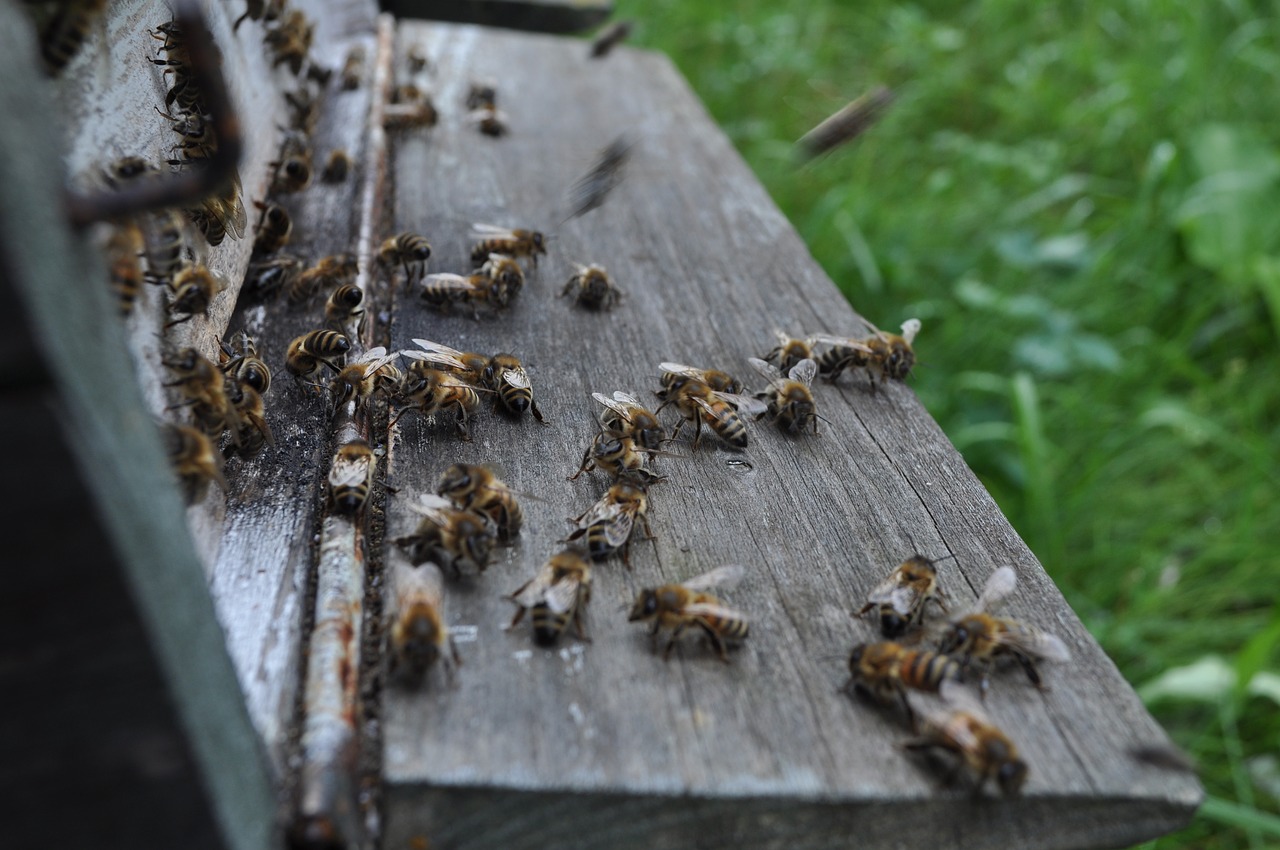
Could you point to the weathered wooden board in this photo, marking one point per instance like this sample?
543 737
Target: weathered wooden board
602 743
534 15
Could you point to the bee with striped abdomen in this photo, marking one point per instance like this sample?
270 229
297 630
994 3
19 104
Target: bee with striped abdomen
899 601
475 488
309 353
626 417
409 250
556 596
608 524
884 671
448 536
789 400
688 604
510 242
351 476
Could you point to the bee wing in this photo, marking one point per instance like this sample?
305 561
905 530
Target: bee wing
626 399
999 585
374 365
766 370
910 328
517 378
620 409
900 597
618 530
804 372
682 370
535 589
348 471
602 511
712 609
841 342
432 506
489 231
436 353
447 280
562 594
782 337
743 403
725 577
425 583
1034 642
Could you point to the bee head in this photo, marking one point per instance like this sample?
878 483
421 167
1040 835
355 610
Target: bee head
855 657
645 608
1011 775
956 637
891 623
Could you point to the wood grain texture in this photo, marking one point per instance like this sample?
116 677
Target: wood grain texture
602 743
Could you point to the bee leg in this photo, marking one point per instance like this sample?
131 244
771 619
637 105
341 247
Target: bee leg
537 414
671 643
587 466
717 644
647 530
579 627
697 432
518 617
1032 673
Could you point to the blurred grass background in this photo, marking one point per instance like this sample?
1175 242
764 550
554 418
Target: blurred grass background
1082 203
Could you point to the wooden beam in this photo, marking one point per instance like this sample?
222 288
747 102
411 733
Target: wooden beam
557 16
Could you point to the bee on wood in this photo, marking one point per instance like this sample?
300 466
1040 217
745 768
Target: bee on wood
980 638
290 40
618 456
899 601
557 596
351 476
292 171
194 459
432 391
410 251
694 395
790 351
240 362
881 354
361 379
202 387
442 291
309 353
419 636
261 10
353 69
199 140
337 166
304 110
607 525
345 306
688 604
123 247
591 287
275 226
506 273
221 214
452 538
489 120
418 112
884 672
265 278
982 748
417 60
477 489
469 365
505 375
66 30
515 243
790 401
249 428
609 38
626 417
192 289
328 272
482 94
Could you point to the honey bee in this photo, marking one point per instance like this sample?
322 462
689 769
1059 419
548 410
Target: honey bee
417 59
265 278
66 30
346 303
883 354
481 95
557 595
419 636
680 606
361 379
353 69
331 271
618 456
789 399
443 290
490 121
692 392
311 351
593 187
123 247
626 417
164 235
203 390
274 228
351 476
241 363
505 375
304 110
449 537
249 428
983 639
608 524
290 40
292 171
846 124
192 455
411 110
468 364
191 291
515 243
505 272
884 672
409 250
790 351
431 391
983 749
336 167
261 10
475 488
199 139
900 599
609 38
220 214
591 287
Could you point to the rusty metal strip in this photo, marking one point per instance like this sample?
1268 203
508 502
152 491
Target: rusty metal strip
328 814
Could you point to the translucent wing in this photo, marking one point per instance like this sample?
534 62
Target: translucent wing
910 328
517 378
348 471
766 370
436 353
535 589
742 403
449 281
620 409
422 584
618 530
562 594
804 372
378 360
1032 641
725 578
998 586
626 398
682 370
900 597
432 506
842 342
712 609
602 511
491 231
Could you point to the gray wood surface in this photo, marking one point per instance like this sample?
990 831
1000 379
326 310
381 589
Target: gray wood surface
602 743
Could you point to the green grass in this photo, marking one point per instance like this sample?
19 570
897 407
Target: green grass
1080 202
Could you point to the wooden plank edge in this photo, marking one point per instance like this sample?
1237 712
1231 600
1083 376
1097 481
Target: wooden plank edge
551 16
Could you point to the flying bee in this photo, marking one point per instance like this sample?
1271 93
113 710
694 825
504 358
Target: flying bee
505 272
241 363
353 69
66 30
618 456
790 351
884 672
505 375
274 228
514 243
680 606
123 247
591 287
475 488
331 271
221 213
609 38
365 377
265 278
899 601
557 595
983 749
789 400
345 304
290 40
983 639
448 536
351 476
409 250
419 636
193 287
883 354
307 354
337 166
194 459
694 393
203 389
431 391
626 417
608 524
249 428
